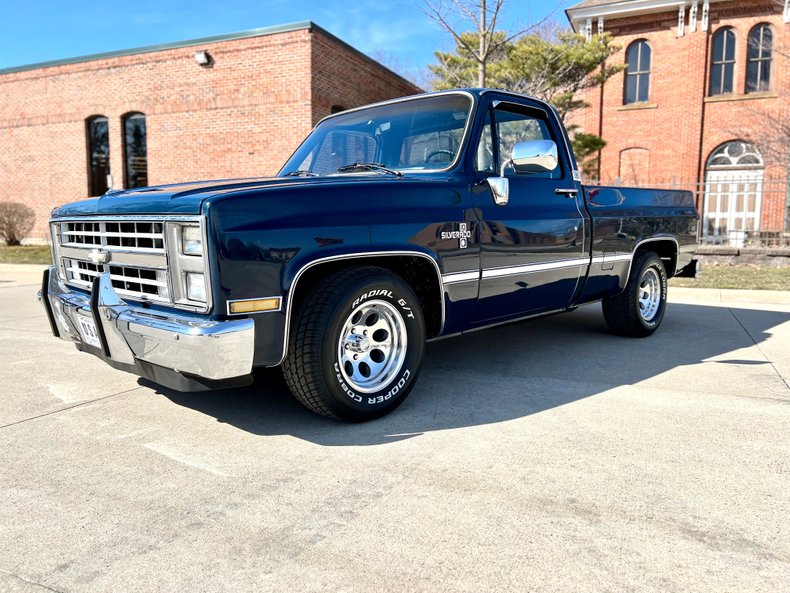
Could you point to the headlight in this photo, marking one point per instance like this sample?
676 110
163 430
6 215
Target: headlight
196 287
54 232
188 268
191 240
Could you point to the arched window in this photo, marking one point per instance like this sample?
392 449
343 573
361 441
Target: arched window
98 134
135 151
637 74
759 54
733 193
722 64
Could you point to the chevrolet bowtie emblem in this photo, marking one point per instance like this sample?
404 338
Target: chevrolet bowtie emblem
98 257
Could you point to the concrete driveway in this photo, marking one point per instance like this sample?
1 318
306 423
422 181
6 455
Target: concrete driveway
545 456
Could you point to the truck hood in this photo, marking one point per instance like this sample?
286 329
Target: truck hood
181 198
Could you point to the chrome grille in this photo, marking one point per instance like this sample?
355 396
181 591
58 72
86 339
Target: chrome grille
126 280
134 250
142 236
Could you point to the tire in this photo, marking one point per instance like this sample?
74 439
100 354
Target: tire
356 345
637 311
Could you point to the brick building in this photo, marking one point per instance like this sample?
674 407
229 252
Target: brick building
219 107
704 104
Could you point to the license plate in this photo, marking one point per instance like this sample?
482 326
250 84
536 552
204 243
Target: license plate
88 331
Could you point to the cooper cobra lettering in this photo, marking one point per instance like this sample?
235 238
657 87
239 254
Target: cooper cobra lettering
346 388
395 389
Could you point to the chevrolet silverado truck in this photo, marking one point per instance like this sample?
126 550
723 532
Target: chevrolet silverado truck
391 225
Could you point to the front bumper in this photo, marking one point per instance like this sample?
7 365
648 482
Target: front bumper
135 338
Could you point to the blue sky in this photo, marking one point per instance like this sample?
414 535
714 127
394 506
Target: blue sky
395 31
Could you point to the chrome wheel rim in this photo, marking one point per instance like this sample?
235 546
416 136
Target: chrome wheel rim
649 296
372 346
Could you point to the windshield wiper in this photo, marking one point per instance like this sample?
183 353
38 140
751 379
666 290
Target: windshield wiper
377 167
301 173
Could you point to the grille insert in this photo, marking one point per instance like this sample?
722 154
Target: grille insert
130 281
141 236
135 256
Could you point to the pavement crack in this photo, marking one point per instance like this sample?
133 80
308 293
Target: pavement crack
67 408
757 345
29 581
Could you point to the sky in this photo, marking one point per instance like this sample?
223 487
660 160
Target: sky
395 32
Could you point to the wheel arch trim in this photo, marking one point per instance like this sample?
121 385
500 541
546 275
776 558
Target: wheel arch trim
666 239
363 255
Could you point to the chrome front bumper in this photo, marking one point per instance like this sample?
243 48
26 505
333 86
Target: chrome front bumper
188 344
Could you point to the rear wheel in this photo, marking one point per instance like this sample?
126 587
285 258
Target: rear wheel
356 345
639 309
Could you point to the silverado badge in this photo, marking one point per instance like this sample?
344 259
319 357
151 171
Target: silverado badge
463 234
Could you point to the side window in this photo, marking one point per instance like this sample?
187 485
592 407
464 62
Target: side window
637 74
759 55
484 155
513 127
97 131
722 66
135 151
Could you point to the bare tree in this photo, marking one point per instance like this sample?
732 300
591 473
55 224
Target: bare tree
486 42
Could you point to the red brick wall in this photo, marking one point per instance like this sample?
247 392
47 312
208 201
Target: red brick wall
242 117
679 128
345 78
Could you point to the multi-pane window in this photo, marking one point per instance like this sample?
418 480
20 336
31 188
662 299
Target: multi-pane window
97 130
758 65
722 66
135 151
637 73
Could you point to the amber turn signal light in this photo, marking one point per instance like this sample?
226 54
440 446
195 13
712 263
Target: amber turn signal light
254 305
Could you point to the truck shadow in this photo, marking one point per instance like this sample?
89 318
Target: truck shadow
510 372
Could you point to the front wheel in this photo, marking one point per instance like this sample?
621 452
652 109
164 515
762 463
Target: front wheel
356 346
639 309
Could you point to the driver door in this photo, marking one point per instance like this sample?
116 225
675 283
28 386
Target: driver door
532 248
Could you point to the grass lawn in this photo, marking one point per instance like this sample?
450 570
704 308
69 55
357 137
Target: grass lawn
25 254
743 277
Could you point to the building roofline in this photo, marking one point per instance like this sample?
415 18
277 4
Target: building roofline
623 8
348 46
165 46
261 32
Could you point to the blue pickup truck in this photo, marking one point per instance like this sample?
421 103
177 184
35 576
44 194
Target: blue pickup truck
392 224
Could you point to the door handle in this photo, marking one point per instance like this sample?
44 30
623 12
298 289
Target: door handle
568 193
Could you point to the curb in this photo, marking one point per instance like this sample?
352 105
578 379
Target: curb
726 295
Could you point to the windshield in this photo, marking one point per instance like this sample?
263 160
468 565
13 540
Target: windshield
422 134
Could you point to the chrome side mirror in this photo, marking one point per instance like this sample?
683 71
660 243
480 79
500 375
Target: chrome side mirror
500 189
500 186
534 156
